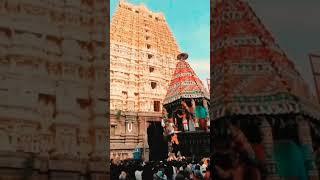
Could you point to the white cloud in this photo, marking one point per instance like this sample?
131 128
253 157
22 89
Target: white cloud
201 68
200 65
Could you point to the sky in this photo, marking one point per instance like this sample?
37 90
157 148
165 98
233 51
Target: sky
189 20
295 24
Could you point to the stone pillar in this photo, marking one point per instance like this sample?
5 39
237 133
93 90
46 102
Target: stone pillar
141 133
145 140
306 141
267 140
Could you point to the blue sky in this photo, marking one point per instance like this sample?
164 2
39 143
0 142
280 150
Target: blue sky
295 24
189 20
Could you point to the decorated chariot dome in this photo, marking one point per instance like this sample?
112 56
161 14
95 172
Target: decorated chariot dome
259 98
251 74
185 84
186 99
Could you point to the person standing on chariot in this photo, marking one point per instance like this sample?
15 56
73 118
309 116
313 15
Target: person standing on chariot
202 116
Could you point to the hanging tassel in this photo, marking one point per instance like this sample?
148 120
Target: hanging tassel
193 106
185 124
196 123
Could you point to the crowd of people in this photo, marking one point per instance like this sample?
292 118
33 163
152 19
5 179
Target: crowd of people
189 116
170 169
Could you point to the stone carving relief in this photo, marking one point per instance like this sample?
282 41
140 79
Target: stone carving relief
45 121
25 138
65 142
129 126
130 106
46 110
5 140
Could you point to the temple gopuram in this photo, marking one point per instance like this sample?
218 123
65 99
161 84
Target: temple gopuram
263 119
143 54
53 98
186 116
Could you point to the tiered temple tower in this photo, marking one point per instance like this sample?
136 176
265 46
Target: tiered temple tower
143 55
53 99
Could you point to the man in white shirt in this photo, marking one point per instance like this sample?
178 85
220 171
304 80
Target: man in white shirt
138 173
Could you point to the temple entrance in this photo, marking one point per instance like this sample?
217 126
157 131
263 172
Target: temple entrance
158 146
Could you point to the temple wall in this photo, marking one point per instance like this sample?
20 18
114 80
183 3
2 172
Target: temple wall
129 131
50 93
143 55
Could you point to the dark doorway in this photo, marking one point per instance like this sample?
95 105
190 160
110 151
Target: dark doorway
158 146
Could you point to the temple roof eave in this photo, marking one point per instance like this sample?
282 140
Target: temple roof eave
288 105
172 100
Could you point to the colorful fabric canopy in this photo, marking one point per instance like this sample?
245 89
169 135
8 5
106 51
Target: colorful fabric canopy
185 83
251 74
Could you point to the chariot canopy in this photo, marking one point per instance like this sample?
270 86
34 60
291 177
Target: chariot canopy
184 84
251 74
186 93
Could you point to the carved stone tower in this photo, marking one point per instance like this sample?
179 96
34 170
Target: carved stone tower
143 55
